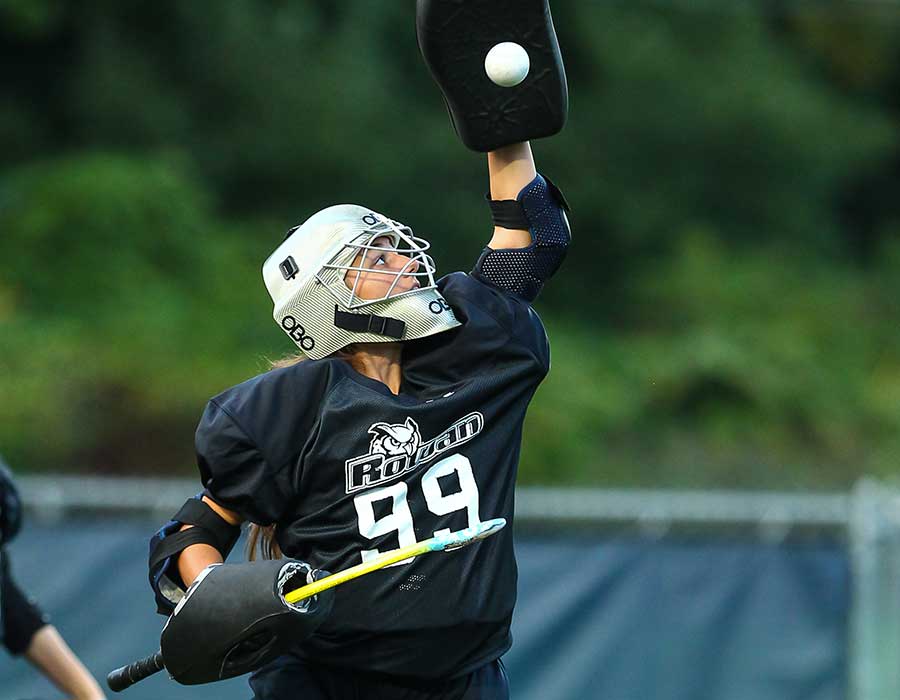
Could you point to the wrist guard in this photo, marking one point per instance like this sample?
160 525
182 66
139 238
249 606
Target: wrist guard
234 619
540 208
209 528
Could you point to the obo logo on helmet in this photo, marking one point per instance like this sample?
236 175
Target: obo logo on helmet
297 333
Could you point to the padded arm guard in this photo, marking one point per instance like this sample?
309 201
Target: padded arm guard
455 37
541 209
165 546
234 619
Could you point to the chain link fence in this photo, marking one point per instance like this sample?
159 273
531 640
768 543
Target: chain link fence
866 520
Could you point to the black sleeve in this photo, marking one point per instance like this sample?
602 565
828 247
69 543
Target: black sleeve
497 328
252 439
234 470
513 315
21 617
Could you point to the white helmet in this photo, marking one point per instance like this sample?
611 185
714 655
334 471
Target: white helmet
306 276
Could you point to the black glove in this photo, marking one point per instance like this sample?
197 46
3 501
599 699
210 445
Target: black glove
455 37
234 619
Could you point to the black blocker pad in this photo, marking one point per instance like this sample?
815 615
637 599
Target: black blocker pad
234 619
455 37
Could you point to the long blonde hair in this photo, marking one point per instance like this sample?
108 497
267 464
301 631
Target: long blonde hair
261 538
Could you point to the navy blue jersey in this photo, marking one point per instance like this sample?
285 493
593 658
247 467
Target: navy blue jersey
346 469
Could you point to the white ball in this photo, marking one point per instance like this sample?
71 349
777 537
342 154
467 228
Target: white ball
507 64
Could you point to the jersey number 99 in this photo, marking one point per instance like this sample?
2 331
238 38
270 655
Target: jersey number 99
400 518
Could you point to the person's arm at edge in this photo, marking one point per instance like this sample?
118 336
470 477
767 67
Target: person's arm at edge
510 168
48 652
197 557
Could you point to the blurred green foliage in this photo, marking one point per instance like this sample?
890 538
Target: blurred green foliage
728 316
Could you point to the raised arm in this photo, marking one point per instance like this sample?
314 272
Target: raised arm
505 86
510 169
531 230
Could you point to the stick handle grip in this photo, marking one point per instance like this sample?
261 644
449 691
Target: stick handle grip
136 671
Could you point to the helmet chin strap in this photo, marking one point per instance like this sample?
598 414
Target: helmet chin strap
369 323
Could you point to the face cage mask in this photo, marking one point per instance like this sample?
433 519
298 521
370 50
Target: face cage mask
322 313
335 274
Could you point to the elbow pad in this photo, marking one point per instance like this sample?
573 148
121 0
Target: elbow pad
541 209
165 546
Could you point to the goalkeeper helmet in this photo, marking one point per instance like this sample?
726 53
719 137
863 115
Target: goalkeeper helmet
314 278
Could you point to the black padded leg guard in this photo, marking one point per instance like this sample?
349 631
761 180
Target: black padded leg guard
455 37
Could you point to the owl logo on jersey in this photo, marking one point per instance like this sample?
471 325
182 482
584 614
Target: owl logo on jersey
397 448
395 440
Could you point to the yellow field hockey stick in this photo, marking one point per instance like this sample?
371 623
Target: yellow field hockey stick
130 674
441 543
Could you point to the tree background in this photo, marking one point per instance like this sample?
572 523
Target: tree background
728 316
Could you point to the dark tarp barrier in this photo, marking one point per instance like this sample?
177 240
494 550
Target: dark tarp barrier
696 620
598 617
